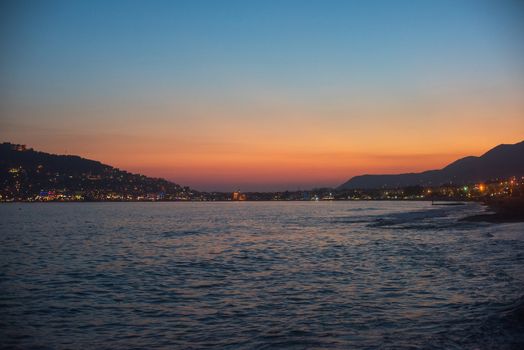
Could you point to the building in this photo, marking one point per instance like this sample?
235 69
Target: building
238 196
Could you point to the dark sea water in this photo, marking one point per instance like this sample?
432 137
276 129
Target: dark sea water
301 275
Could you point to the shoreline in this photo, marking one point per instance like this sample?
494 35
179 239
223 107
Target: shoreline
509 210
443 202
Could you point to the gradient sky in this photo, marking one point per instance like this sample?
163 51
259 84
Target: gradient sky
263 95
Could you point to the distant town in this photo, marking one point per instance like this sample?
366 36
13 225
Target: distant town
31 176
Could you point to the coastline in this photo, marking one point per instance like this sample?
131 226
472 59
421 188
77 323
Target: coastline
457 201
501 211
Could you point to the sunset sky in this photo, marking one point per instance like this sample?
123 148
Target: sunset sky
263 95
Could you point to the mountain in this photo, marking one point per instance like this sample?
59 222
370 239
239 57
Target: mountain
502 161
26 173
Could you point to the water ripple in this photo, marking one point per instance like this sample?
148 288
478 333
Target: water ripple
332 275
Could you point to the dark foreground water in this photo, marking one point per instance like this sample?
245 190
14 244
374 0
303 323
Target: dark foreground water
258 276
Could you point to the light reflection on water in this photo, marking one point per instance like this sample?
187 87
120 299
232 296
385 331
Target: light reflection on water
258 275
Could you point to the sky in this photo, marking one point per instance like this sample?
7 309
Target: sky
263 95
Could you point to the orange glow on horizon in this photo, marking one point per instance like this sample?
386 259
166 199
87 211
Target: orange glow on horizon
280 145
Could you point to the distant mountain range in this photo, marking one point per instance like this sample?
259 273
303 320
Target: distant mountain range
26 173
502 161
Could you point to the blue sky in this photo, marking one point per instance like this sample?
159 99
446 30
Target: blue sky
88 47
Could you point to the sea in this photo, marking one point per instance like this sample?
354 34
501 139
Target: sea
258 275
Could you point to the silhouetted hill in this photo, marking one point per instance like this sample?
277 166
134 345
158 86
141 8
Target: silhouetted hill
12 155
502 161
25 173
